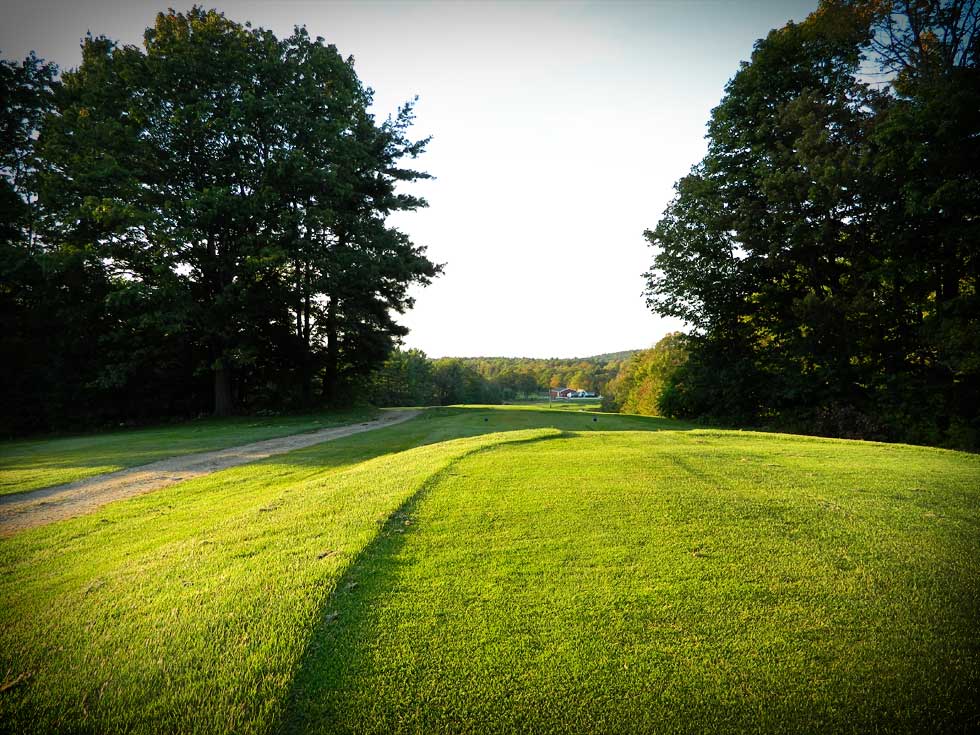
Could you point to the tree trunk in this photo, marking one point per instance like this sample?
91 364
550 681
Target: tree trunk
224 404
330 374
304 329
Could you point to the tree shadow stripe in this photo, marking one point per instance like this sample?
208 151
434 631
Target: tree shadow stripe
344 612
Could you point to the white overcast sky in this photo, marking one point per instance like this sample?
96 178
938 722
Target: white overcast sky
559 129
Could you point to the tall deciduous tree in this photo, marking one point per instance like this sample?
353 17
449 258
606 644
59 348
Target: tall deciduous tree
51 299
824 250
158 159
375 263
243 178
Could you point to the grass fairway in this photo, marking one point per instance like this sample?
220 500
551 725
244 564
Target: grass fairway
501 570
33 464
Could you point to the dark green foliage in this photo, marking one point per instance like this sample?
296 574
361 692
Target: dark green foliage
457 382
824 251
712 387
70 332
406 379
206 214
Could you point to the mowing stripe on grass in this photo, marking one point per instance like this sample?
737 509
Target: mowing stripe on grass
189 609
713 582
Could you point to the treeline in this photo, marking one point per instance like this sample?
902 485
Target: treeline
642 382
197 225
410 378
515 374
825 250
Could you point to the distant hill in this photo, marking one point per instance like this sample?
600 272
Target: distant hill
604 357
608 356
582 373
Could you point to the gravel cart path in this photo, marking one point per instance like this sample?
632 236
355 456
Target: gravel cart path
39 507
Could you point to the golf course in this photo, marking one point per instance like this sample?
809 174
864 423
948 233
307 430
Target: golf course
532 367
486 569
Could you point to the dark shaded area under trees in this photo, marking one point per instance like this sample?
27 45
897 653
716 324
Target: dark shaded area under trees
825 250
198 225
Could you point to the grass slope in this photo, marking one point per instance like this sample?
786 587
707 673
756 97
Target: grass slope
33 464
187 611
688 582
517 579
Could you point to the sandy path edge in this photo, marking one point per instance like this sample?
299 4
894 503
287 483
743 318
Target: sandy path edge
21 511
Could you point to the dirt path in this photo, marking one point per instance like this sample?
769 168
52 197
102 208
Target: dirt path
39 507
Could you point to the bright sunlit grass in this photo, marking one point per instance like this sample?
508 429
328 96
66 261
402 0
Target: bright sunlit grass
33 464
693 582
547 573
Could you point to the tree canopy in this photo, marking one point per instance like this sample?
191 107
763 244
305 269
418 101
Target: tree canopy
824 250
224 196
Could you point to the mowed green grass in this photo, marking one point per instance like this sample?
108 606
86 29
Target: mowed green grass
694 582
33 464
543 573
576 404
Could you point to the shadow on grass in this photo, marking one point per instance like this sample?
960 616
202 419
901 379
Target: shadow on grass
149 444
440 424
335 651
142 445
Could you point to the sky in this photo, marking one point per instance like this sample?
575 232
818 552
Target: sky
559 129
